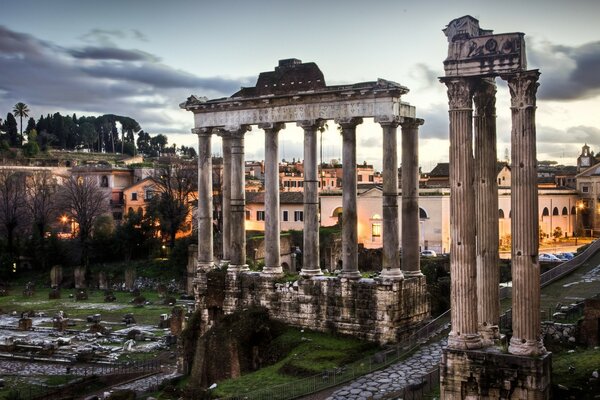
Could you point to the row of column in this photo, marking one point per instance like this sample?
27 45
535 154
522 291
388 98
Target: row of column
473 214
234 242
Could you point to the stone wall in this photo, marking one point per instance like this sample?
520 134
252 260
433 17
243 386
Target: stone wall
559 333
371 309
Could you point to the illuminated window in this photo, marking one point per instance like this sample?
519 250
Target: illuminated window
376 229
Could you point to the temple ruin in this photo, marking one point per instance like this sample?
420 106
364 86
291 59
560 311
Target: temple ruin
472 366
383 309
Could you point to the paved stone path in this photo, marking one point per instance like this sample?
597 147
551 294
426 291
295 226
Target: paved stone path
150 382
384 383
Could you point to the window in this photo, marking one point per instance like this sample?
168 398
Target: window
149 194
360 178
286 216
555 211
573 210
371 178
247 215
104 181
260 215
376 229
585 189
134 196
546 212
501 213
565 211
298 215
423 214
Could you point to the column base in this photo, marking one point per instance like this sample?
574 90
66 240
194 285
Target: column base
412 274
272 271
490 334
237 268
468 341
392 273
523 347
350 275
205 266
311 272
223 263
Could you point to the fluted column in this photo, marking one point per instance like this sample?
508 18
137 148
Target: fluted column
486 204
272 229
526 338
349 215
205 199
463 295
226 193
391 242
310 262
238 200
411 260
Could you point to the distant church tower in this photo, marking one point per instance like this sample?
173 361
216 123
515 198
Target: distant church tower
585 159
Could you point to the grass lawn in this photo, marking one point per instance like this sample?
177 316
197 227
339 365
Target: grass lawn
582 362
111 312
309 354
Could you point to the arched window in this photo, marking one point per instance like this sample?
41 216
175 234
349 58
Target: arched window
501 213
555 211
546 212
423 214
104 181
337 212
565 211
130 210
140 211
573 210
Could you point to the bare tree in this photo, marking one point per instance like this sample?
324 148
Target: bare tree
12 205
175 185
83 201
41 205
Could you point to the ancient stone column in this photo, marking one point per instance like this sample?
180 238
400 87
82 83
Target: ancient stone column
205 196
526 338
238 200
272 228
310 264
226 199
486 204
349 215
391 260
463 291
411 258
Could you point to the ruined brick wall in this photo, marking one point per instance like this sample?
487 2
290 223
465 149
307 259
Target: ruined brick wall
367 308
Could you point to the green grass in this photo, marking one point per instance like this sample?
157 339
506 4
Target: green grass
583 360
309 353
80 309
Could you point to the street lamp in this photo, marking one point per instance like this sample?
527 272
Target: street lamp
578 209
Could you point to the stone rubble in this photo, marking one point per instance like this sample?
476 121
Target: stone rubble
387 382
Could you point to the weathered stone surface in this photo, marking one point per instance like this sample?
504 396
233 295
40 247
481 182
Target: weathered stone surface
130 275
79 277
56 276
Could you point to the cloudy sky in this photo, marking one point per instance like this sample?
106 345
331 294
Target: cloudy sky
141 58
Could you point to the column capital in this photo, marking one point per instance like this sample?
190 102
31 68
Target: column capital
408 123
460 93
351 122
484 97
272 126
388 120
523 88
204 131
311 123
235 130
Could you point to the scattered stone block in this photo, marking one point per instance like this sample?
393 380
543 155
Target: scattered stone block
54 294
128 319
25 324
109 297
81 295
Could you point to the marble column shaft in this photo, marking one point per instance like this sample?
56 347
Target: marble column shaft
524 225
205 199
238 200
349 197
226 195
272 228
486 204
391 240
411 257
463 297
310 261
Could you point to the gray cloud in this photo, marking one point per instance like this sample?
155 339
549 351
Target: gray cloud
568 73
52 78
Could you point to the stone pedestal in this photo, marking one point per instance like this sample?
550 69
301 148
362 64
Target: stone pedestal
79 276
56 276
25 324
489 374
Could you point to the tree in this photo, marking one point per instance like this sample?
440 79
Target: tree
175 191
41 205
21 110
10 127
12 207
83 201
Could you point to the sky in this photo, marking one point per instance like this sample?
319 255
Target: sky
142 58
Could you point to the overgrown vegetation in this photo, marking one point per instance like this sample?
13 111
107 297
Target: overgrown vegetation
573 370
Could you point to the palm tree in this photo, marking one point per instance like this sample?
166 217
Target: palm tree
21 110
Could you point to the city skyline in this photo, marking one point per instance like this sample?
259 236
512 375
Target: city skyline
142 59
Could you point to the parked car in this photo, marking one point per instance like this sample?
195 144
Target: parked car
548 257
428 253
565 256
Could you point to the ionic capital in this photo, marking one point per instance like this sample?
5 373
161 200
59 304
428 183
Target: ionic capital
460 93
484 97
411 123
348 123
272 126
523 88
311 124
